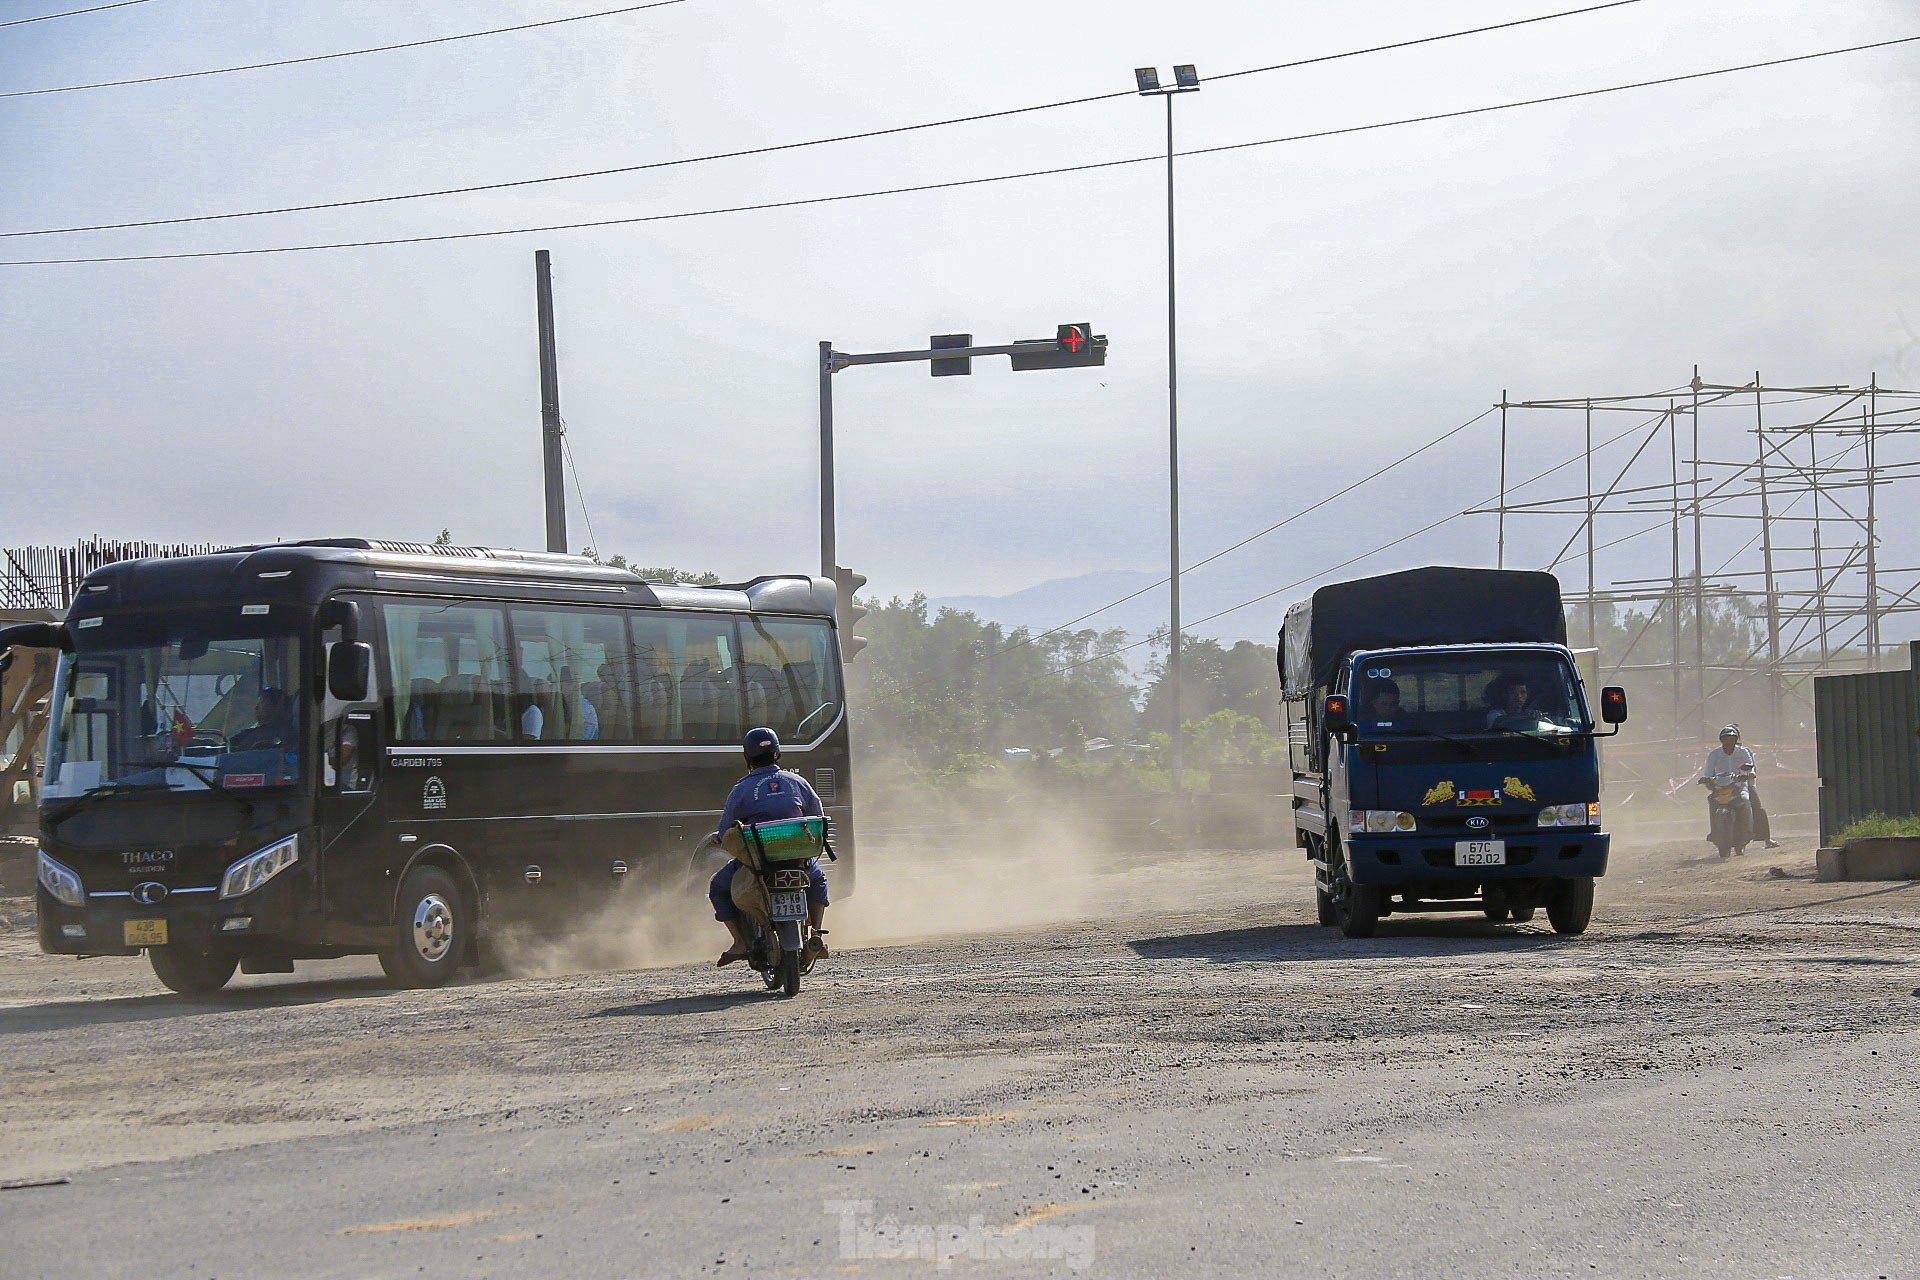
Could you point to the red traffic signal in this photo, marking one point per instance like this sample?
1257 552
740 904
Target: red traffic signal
1074 339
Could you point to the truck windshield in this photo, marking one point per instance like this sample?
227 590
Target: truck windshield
182 701
1462 695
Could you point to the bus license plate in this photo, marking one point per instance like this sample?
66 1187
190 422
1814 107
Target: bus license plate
1480 853
144 933
789 904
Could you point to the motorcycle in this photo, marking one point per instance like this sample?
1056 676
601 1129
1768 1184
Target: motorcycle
770 889
1730 811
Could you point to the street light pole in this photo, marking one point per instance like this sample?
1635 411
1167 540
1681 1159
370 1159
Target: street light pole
1147 81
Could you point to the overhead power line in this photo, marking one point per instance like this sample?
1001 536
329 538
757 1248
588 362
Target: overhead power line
71 13
1471 510
773 148
845 197
321 57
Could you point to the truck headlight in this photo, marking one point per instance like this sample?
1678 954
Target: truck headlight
59 881
1380 821
256 869
1571 815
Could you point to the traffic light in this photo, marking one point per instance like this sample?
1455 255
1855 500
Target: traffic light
846 613
959 366
1074 346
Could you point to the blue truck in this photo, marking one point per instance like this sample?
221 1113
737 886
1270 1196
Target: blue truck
1443 748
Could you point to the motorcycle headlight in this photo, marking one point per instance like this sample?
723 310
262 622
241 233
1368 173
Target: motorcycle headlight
256 869
58 881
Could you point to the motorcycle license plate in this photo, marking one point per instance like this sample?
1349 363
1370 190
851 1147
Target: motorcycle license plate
1480 853
789 904
144 933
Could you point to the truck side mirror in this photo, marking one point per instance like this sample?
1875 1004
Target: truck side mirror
350 672
1338 718
1613 704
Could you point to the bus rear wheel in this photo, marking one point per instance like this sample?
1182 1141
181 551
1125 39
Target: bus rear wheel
192 971
429 931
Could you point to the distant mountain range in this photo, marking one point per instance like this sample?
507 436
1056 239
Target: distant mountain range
1050 604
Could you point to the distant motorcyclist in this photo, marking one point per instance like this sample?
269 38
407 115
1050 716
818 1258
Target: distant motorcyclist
767 793
1732 758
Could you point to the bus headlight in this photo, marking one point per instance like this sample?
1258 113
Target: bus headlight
1380 821
59 881
256 869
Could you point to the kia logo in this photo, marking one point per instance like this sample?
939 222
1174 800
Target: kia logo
1478 824
149 893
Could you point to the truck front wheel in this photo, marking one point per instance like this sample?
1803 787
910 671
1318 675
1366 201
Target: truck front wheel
1357 908
1570 905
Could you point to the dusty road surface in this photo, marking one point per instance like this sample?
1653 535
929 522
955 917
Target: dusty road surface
1159 1065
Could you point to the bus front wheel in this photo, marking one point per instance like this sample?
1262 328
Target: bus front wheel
428 933
192 971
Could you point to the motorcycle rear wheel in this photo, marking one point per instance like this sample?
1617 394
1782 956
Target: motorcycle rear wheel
788 971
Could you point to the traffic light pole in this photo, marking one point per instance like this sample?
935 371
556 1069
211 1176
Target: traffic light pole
828 553
1075 346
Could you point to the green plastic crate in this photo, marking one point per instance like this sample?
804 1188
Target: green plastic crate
790 840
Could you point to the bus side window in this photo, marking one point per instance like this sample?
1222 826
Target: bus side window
688 687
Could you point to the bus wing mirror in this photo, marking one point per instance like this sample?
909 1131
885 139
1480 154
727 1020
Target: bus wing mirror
350 672
34 635
1338 717
1613 704
344 614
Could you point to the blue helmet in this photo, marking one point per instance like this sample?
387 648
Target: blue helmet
761 742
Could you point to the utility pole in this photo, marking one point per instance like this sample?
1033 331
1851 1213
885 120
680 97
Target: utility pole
1873 528
1593 631
550 427
1699 570
1500 558
1766 552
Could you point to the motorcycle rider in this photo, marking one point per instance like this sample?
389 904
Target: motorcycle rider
767 793
1731 757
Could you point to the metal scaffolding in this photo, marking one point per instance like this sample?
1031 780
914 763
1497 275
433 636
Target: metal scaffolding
1772 503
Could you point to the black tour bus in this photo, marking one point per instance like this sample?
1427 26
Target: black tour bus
318 749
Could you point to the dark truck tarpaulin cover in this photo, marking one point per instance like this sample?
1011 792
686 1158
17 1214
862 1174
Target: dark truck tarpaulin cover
1435 605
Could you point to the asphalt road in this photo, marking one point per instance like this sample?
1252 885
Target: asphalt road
1157 1066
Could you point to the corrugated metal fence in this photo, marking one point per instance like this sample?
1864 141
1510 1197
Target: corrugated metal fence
1868 730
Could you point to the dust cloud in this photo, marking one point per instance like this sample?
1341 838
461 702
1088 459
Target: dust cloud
963 875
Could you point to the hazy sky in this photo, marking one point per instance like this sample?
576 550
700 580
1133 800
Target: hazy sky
1341 300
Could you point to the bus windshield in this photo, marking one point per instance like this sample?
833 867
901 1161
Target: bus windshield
1445 694
190 700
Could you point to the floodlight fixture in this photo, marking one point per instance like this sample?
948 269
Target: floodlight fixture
1186 77
1147 78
